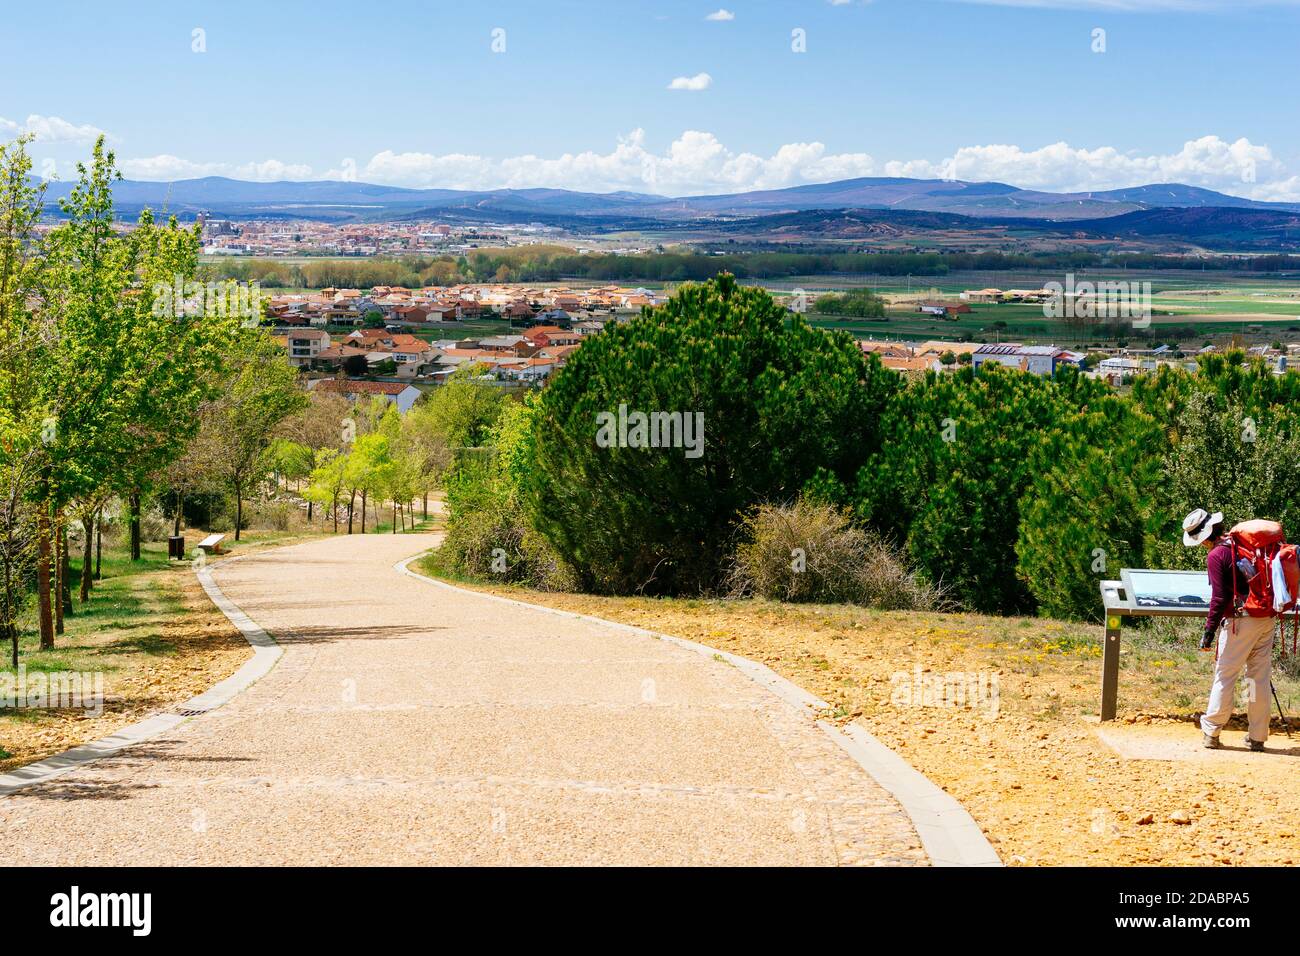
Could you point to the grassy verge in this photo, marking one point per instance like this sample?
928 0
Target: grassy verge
1027 762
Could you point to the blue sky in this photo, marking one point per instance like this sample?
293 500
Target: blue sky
413 93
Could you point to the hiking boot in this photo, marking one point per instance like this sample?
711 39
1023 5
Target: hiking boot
1255 745
1212 743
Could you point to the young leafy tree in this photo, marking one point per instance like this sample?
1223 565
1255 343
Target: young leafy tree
462 411
290 460
259 391
428 451
368 465
320 424
328 481
81 375
173 355
23 344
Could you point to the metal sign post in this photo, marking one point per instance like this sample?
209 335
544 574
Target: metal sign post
1144 592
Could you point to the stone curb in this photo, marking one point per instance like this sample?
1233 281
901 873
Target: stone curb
265 654
950 835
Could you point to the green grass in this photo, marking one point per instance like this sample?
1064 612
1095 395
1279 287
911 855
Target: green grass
130 598
386 527
1276 301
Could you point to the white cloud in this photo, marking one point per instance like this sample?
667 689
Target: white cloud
166 167
698 162
53 129
700 81
1209 161
1284 190
721 14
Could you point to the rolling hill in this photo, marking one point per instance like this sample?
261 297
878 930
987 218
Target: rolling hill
344 201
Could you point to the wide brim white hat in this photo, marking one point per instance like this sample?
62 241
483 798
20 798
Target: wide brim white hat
1198 525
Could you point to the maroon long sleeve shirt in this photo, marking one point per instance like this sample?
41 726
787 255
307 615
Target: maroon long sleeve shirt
1220 568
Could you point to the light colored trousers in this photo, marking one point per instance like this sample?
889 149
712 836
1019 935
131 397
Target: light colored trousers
1243 642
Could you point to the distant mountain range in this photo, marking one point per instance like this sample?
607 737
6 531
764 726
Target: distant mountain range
890 210
343 201
1166 229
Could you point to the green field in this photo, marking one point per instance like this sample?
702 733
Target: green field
1199 307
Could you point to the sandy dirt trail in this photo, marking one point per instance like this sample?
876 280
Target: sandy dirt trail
410 724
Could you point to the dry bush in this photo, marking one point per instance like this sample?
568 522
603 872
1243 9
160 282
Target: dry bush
154 525
810 552
475 541
268 515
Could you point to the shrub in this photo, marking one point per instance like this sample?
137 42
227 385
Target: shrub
154 525
813 552
779 401
860 303
268 515
489 536
951 472
1091 507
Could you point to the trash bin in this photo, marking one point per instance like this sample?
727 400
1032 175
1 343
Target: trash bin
176 547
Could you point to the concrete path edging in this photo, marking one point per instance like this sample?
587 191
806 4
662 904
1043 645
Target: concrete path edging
265 654
949 834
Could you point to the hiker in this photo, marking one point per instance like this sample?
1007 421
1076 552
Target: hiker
1243 640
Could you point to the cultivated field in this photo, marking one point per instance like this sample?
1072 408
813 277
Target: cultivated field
1215 308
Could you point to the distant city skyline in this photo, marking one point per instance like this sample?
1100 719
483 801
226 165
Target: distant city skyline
674 98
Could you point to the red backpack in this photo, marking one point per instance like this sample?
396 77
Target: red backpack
1256 544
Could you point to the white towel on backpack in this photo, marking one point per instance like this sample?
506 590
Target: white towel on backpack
1281 596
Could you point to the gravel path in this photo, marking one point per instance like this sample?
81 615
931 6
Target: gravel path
408 724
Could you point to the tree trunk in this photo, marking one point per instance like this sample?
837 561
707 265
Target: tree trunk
133 503
10 605
334 510
60 573
65 573
352 507
426 506
363 512
239 509
394 517
99 541
88 524
43 576
309 507
176 527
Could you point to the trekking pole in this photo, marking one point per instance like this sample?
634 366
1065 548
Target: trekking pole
1286 724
